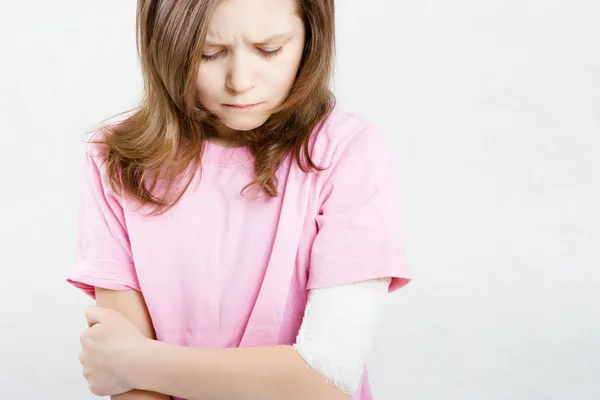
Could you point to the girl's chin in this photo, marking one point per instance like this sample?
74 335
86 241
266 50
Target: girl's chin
243 123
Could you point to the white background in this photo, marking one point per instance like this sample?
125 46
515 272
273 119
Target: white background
494 107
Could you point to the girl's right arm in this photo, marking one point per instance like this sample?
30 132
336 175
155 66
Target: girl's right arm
132 305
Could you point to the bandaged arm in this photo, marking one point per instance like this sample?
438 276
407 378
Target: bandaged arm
338 330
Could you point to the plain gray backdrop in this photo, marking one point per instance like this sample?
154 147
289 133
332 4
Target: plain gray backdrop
494 108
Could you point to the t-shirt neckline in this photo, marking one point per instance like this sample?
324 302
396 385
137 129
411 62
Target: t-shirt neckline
224 155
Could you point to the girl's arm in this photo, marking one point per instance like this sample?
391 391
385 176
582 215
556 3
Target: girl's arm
131 304
265 373
325 363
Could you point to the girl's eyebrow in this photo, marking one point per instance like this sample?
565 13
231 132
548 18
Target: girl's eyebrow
272 38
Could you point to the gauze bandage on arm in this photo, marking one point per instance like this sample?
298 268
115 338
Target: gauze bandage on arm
338 330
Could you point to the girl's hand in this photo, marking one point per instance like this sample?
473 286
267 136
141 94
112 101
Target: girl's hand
109 346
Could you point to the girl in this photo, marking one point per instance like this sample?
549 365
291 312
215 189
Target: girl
238 230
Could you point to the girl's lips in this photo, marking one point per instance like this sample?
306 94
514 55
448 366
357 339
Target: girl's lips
242 106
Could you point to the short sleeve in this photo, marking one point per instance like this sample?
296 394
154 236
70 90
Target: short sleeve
103 253
359 225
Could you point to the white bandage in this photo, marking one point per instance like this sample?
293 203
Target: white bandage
338 330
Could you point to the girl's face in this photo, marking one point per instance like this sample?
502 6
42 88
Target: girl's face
249 61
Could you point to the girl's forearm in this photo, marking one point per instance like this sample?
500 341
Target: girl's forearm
265 373
141 395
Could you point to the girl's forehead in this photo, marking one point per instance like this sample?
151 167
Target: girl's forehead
243 13
253 21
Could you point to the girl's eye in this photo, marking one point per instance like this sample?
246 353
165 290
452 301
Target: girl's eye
270 53
265 53
210 57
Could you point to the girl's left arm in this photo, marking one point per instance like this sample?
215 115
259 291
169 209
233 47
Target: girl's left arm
266 373
326 362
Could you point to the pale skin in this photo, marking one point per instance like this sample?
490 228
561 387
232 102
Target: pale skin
252 55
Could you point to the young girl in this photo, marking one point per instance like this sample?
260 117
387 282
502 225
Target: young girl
238 230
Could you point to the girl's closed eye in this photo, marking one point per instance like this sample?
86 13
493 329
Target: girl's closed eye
270 53
263 52
209 57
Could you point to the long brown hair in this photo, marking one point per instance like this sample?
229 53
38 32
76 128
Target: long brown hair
164 136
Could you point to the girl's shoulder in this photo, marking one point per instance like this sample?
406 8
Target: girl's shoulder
353 135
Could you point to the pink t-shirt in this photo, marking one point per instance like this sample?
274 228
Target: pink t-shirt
221 270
